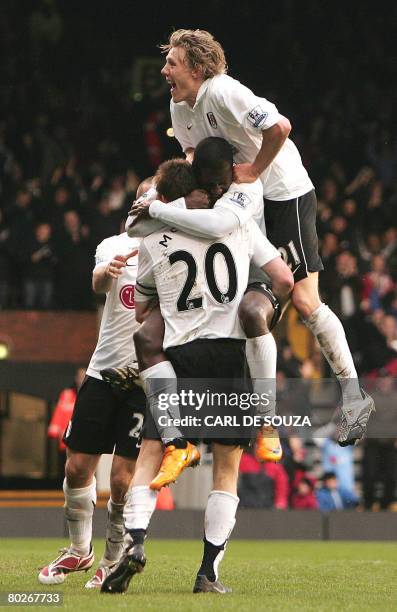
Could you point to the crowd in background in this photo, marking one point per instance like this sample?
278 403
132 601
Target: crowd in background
78 131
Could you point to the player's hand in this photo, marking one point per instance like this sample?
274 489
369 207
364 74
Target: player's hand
138 212
144 199
244 173
198 198
118 263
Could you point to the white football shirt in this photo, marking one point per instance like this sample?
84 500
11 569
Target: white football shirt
200 282
226 108
244 200
115 346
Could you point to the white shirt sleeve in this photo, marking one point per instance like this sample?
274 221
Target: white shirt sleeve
180 127
145 288
263 250
245 200
204 223
143 228
104 253
244 107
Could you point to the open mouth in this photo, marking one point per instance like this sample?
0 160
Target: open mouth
172 85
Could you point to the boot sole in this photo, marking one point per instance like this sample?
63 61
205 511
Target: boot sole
119 581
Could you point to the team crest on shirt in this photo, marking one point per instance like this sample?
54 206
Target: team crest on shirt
257 116
127 296
212 120
241 199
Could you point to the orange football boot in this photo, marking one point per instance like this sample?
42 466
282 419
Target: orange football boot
175 460
267 445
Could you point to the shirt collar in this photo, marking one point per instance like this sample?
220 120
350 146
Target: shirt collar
200 94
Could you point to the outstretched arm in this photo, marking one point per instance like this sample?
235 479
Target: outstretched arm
210 223
190 214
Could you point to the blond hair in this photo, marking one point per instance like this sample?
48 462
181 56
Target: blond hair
202 51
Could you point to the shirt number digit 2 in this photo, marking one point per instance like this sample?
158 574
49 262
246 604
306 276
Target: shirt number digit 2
184 302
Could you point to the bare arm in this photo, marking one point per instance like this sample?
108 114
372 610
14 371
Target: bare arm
101 279
267 257
281 277
143 309
272 140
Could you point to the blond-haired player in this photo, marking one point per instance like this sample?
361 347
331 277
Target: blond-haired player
205 101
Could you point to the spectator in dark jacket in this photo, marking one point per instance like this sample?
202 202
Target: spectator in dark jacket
262 485
38 269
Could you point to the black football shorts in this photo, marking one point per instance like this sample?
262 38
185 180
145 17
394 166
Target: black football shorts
209 359
291 227
106 420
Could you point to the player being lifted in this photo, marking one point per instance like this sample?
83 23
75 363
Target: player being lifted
104 419
202 337
207 102
233 207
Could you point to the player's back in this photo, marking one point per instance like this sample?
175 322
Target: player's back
200 282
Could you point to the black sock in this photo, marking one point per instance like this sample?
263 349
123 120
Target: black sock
178 443
209 556
137 535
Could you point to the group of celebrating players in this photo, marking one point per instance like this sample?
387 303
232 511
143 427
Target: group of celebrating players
216 245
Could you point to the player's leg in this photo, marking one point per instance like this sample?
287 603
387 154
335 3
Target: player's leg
256 314
80 499
90 434
219 516
138 510
329 333
120 479
259 312
158 376
291 227
128 420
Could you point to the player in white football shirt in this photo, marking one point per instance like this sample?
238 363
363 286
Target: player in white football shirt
199 283
104 420
233 207
207 102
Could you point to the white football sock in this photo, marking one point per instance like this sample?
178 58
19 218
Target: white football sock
261 353
139 507
79 508
220 518
114 534
161 378
330 335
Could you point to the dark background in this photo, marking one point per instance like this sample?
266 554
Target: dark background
79 129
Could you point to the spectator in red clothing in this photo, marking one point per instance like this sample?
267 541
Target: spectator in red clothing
64 409
303 497
262 485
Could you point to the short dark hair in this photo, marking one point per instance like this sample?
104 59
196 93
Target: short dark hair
174 179
328 476
212 153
